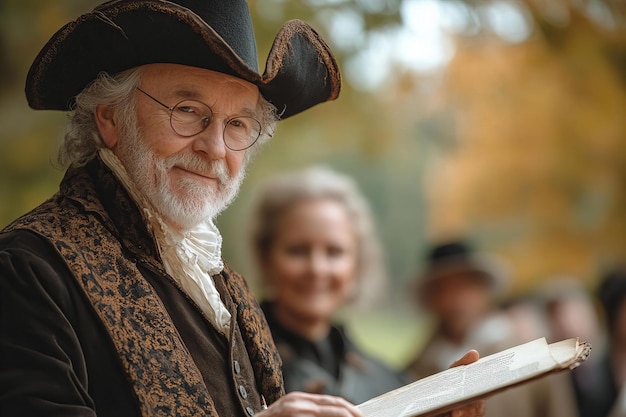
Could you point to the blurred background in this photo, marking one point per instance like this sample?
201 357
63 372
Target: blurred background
500 121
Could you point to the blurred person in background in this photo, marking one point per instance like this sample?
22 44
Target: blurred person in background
317 252
459 289
571 311
527 316
607 396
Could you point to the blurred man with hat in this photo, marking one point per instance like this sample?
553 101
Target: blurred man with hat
115 299
460 289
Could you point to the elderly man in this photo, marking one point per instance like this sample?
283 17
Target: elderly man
114 297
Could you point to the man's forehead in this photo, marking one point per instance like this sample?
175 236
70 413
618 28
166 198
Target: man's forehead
185 78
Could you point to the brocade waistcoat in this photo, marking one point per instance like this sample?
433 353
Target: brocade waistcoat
98 231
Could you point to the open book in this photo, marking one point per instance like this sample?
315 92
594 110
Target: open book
461 385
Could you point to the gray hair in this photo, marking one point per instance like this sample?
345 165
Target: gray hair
82 140
284 191
269 118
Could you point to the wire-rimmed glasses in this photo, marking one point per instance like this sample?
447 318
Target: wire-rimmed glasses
191 117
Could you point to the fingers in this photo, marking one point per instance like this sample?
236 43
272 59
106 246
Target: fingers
469 357
301 404
475 409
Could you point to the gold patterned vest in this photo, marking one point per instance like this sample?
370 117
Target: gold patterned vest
98 230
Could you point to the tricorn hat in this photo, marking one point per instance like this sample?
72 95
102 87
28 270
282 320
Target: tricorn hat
213 34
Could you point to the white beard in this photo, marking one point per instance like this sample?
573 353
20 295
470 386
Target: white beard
190 201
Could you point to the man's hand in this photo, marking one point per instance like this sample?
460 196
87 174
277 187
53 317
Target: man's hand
477 408
301 404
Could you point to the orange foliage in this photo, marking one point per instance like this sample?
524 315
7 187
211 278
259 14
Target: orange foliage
537 172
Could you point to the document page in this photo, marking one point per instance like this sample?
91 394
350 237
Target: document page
457 385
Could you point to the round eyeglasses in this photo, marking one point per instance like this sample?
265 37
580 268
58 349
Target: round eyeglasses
191 117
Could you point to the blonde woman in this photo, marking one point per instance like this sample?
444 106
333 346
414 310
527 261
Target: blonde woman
317 250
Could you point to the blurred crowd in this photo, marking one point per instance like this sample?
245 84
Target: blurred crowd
463 292
315 245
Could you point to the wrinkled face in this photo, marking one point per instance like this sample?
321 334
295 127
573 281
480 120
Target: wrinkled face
188 179
312 264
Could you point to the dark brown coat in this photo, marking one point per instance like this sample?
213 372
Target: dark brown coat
91 324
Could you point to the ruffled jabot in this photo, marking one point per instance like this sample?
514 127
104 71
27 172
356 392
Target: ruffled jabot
191 257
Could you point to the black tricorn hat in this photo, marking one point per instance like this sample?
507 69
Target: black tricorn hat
212 34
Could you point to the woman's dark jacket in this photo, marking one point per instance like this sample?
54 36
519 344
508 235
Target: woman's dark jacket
332 366
91 324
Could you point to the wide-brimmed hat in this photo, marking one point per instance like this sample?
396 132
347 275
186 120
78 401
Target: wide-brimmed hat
216 35
457 258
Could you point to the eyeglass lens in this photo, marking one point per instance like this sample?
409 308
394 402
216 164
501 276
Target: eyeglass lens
190 117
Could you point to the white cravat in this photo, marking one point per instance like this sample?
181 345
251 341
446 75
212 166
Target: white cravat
191 257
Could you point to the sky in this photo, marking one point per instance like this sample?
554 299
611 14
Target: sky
425 41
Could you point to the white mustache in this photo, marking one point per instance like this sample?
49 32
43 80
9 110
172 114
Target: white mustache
193 163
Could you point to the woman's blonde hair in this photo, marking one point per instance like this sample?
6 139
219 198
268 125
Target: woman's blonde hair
283 191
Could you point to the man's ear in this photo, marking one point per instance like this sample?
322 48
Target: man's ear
107 125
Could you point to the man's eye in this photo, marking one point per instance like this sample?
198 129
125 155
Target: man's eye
187 109
240 124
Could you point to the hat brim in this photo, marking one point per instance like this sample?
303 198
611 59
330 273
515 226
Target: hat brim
488 270
300 70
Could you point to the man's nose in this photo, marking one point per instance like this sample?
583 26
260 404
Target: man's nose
211 140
